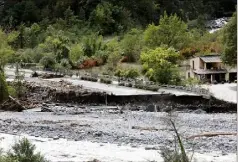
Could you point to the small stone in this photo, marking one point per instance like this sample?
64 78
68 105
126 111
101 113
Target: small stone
55 138
97 134
151 148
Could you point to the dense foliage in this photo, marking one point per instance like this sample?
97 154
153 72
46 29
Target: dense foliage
160 64
108 16
64 35
229 55
3 88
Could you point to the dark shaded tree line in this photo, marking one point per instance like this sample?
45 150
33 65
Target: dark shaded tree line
110 16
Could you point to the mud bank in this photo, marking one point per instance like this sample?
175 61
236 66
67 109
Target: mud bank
67 93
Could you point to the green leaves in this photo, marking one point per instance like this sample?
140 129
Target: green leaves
5 50
24 151
229 55
132 44
3 88
171 31
160 64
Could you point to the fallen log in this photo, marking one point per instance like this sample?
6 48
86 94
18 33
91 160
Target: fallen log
213 134
12 105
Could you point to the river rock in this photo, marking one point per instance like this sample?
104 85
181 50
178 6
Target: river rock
45 109
151 108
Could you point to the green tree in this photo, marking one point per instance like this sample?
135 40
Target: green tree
160 64
58 45
76 52
132 44
92 43
5 50
114 54
3 88
48 61
171 31
229 56
32 35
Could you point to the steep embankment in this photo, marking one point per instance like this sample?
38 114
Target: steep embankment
64 92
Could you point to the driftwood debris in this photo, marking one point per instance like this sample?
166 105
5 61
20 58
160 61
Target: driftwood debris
209 134
12 105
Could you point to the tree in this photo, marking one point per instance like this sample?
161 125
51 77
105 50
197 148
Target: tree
229 55
3 88
58 44
132 45
171 31
32 35
76 52
92 43
160 64
48 61
114 54
5 50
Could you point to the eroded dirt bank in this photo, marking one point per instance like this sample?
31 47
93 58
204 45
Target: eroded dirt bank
64 92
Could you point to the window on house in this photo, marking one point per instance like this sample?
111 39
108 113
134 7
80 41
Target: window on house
188 74
193 65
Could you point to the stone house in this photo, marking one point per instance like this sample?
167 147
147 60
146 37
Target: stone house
210 68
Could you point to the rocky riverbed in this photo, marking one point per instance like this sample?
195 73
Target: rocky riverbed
137 129
69 115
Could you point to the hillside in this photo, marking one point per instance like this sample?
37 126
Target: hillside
71 34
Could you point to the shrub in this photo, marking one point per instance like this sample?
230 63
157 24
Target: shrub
24 151
154 88
105 80
12 92
139 86
92 79
120 73
191 81
48 62
128 84
132 73
121 84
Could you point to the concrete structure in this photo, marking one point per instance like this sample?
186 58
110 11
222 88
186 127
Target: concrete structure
210 68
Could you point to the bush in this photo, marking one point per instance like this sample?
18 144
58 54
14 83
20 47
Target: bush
12 92
191 81
105 80
131 73
140 86
128 84
92 79
23 151
121 84
48 62
154 88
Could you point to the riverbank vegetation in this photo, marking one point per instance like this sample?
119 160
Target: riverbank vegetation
65 35
22 151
